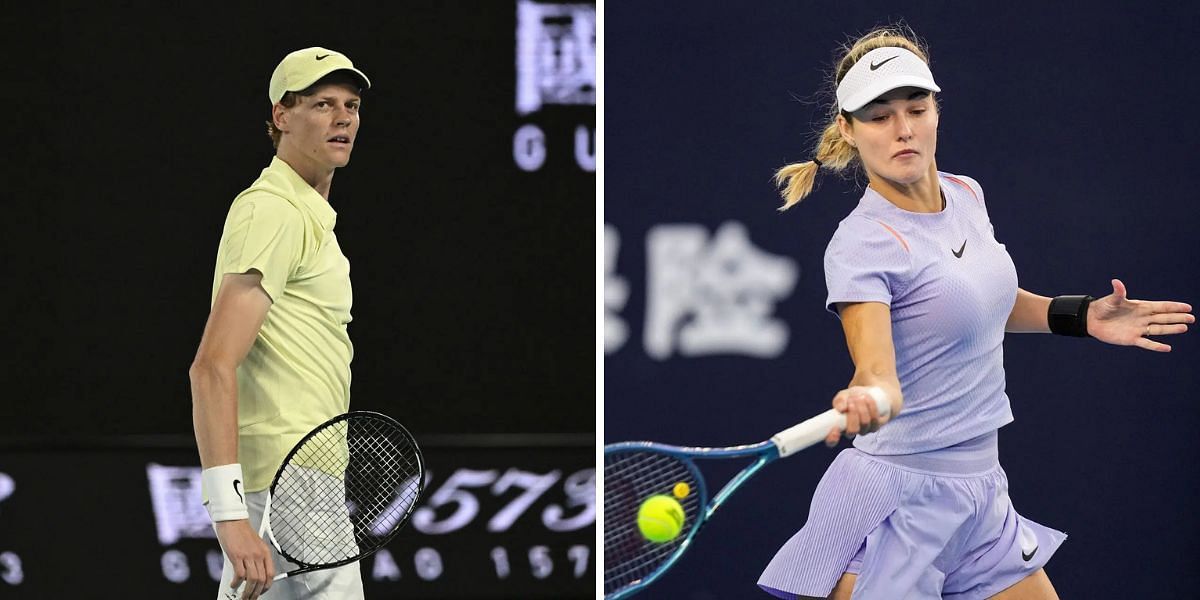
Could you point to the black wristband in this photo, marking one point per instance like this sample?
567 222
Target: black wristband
1068 315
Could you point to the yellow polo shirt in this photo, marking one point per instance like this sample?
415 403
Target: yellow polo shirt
297 374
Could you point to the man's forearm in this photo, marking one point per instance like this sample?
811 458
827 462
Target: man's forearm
214 414
1029 314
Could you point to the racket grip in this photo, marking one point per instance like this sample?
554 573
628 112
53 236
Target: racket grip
801 436
237 594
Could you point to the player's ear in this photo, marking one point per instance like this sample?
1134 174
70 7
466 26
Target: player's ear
846 129
279 115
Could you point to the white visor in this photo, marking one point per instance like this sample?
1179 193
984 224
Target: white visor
879 72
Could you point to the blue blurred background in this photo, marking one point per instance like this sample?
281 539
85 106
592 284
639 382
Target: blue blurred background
1079 125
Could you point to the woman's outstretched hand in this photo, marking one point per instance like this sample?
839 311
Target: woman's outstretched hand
1115 319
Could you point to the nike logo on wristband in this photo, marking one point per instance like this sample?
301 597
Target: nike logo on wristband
960 250
236 483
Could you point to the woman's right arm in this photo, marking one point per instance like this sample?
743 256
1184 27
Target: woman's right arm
868 329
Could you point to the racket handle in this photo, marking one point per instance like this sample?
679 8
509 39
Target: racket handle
801 436
237 594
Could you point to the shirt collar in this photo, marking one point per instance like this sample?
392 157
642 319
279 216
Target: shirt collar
928 220
316 204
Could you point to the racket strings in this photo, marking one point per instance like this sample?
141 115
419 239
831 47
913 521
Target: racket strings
629 479
345 491
394 461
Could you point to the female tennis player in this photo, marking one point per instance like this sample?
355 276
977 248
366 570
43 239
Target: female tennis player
919 508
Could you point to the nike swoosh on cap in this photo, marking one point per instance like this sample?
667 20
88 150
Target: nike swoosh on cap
322 56
880 63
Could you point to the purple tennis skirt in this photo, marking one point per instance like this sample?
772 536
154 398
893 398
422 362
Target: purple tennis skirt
931 525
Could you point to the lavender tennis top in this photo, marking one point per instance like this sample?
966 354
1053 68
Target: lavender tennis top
951 287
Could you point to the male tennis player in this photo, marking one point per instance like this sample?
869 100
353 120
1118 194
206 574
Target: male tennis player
274 361
919 509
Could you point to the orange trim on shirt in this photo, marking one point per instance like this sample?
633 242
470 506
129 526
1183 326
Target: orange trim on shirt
898 236
964 184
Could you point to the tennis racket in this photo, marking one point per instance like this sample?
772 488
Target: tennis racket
342 493
635 471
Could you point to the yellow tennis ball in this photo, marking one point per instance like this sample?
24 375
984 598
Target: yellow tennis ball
660 518
681 490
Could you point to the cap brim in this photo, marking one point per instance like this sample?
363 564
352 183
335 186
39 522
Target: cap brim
300 85
885 85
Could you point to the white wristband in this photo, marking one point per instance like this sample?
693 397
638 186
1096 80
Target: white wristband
223 492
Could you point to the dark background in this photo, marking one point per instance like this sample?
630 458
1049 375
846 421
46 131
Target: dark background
132 127
99 516
473 280
1076 122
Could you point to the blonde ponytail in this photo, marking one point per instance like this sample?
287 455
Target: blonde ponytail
797 180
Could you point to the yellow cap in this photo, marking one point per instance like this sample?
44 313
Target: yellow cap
303 68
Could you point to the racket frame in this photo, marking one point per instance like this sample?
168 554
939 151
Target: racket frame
765 452
266 518
781 445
